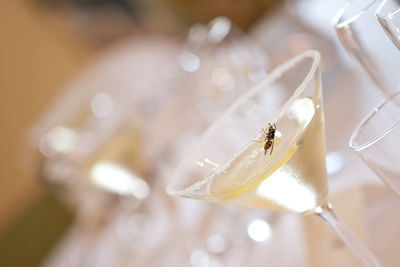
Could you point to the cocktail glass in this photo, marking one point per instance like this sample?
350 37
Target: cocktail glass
267 150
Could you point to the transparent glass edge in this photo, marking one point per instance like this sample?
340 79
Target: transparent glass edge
337 19
379 11
353 144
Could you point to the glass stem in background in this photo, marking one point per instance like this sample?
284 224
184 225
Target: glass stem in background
347 236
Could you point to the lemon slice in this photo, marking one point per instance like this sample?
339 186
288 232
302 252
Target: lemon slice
231 179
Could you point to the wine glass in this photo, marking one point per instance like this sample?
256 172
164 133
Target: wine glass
375 141
268 151
389 18
361 35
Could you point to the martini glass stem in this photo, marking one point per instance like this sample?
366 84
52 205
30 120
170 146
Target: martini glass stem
347 236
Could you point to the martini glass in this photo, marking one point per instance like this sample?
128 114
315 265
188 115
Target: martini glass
268 151
388 14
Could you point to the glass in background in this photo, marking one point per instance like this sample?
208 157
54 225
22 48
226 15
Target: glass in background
376 141
88 146
94 130
365 41
388 14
